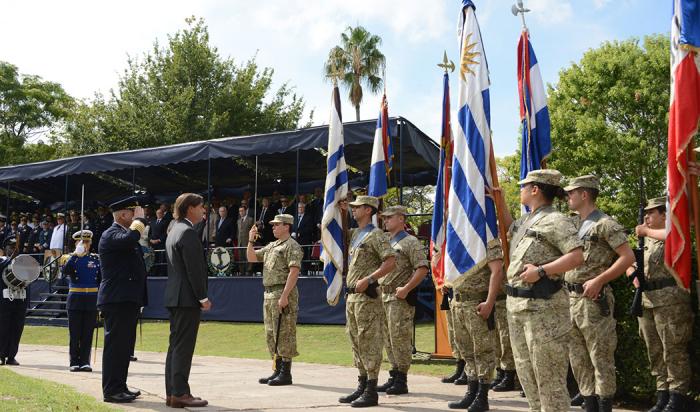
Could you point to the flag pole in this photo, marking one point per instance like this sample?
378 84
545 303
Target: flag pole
694 206
500 209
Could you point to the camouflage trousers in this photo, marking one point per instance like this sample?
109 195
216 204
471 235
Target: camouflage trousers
287 346
398 333
449 315
666 331
592 346
504 354
475 342
540 349
365 329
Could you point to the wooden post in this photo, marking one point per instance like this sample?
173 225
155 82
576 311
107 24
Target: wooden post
500 210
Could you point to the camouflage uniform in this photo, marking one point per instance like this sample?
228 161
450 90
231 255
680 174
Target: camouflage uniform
451 330
398 315
593 338
364 314
278 257
504 354
475 341
539 328
666 324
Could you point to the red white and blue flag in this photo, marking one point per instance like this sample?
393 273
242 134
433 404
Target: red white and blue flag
536 140
382 154
442 189
684 114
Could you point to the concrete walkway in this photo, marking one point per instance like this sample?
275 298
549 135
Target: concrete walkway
231 384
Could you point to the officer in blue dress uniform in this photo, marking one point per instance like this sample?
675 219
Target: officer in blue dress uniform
121 295
83 272
13 310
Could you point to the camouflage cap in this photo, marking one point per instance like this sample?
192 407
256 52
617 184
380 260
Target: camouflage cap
285 218
86 235
366 200
586 181
545 176
655 202
395 210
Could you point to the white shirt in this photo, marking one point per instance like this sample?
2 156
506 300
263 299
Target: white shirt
57 237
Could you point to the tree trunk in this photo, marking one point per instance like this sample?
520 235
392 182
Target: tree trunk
357 112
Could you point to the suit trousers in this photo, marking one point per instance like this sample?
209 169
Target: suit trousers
120 332
11 328
81 325
184 325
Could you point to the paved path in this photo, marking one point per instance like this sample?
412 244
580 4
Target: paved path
231 384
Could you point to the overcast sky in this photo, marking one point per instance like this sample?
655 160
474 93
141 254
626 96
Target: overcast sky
84 44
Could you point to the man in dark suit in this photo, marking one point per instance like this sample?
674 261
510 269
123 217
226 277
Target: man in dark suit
120 296
156 238
225 229
305 235
265 215
185 298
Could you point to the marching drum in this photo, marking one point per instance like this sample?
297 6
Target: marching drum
23 270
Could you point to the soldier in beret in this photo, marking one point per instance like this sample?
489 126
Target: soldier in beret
281 264
83 272
606 255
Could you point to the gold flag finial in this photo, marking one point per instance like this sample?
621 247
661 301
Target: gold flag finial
447 64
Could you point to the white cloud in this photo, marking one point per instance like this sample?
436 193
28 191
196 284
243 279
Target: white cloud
551 11
599 4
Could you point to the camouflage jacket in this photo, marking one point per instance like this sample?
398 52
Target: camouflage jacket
654 270
278 257
366 254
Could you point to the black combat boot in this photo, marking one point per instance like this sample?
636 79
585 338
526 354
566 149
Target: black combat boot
457 374
369 397
590 403
285 375
677 402
507 384
469 397
605 404
389 383
400 386
462 380
481 402
577 400
499 377
278 363
661 401
361 385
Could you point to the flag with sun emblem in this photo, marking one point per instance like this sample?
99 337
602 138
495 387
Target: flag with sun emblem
471 222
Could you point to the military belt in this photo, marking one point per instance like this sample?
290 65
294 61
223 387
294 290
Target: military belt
471 296
575 287
350 290
273 288
388 288
83 290
659 284
543 289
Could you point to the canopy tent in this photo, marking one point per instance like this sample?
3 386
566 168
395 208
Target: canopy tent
290 162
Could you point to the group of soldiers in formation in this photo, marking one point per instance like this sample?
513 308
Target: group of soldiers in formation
550 308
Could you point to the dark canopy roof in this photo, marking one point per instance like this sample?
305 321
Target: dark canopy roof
169 170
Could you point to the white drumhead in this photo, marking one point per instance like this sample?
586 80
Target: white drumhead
25 268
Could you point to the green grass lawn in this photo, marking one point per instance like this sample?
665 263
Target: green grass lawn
326 344
21 393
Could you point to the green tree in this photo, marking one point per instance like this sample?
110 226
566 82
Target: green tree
30 108
357 61
180 93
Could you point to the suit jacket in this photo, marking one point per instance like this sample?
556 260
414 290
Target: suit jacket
122 266
158 230
225 231
187 269
306 229
244 225
269 214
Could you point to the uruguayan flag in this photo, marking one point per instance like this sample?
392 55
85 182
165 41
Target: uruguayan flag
472 216
336 190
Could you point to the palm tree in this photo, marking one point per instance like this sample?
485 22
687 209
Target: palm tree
356 61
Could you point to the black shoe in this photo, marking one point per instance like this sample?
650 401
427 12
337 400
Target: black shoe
522 394
361 385
677 402
285 375
481 402
590 403
506 384
468 398
661 401
400 385
278 363
85 368
12 362
458 372
577 400
389 383
462 380
119 398
74 368
499 377
133 358
605 404
369 397
135 394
